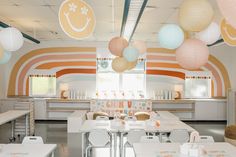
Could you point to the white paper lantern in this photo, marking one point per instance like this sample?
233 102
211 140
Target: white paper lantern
210 35
11 39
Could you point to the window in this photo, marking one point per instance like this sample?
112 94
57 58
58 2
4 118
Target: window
131 82
198 85
42 85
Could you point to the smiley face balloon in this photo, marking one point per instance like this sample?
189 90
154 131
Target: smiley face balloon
228 33
77 19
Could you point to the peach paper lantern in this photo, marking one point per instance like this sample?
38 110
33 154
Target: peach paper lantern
117 45
132 65
195 15
140 45
192 54
228 8
119 64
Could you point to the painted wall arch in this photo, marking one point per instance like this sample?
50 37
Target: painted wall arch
83 60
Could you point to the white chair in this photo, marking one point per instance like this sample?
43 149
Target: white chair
32 140
102 118
206 139
133 136
149 139
179 136
98 138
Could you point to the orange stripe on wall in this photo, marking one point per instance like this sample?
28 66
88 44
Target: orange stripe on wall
167 73
27 87
75 71
59 64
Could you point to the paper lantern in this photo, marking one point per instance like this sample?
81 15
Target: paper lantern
132 65
117 45
227 8
119 64
210 35
228 33
171 36
6 57
131 54
11 39
192 54
140 45
1 52
195 15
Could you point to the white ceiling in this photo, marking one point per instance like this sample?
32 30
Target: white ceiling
39 18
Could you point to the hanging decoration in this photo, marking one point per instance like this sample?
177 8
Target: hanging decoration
140 46
227 8
195 15
132 65
77 19
117 45
6 57
171 36
228 33
131 54
210 35
11 39
119 64
192 54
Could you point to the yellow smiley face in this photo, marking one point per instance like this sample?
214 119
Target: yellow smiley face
228 33
77 19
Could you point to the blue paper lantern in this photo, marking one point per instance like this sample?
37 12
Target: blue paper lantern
171 36
6 57
131 54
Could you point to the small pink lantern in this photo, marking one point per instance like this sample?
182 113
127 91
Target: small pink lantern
192 54
140 45
227 8
117 45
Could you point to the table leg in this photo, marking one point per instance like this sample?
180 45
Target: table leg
121 144
12 131
83 143
115 144
26 124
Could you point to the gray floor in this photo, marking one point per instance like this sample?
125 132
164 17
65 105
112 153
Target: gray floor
56 132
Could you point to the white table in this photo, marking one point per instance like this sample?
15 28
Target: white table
75 121
12 115
166 115
152 149
27 150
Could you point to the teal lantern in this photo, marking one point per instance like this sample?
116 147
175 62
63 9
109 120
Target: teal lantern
6 57
171 36
131 54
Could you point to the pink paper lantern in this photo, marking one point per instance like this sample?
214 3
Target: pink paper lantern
117 45
227 8
192 54
140 45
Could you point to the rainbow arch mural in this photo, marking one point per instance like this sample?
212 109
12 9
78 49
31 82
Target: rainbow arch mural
82 60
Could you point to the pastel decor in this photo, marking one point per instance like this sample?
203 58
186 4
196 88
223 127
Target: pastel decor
195 15
228 33
132 65
192 54
210 35
171 36
131 54
140 45
117 45
11 39
1 52
77 19
119 64
227 8
6 57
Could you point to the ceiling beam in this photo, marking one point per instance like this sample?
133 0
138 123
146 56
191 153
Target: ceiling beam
26 36
127 10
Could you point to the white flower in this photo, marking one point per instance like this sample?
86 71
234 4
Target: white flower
84 10
72 7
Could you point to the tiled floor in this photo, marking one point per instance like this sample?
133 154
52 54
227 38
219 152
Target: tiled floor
56 132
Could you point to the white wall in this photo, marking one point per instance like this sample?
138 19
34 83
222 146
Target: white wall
224 53
227 55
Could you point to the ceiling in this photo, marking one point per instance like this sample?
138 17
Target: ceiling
39 18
